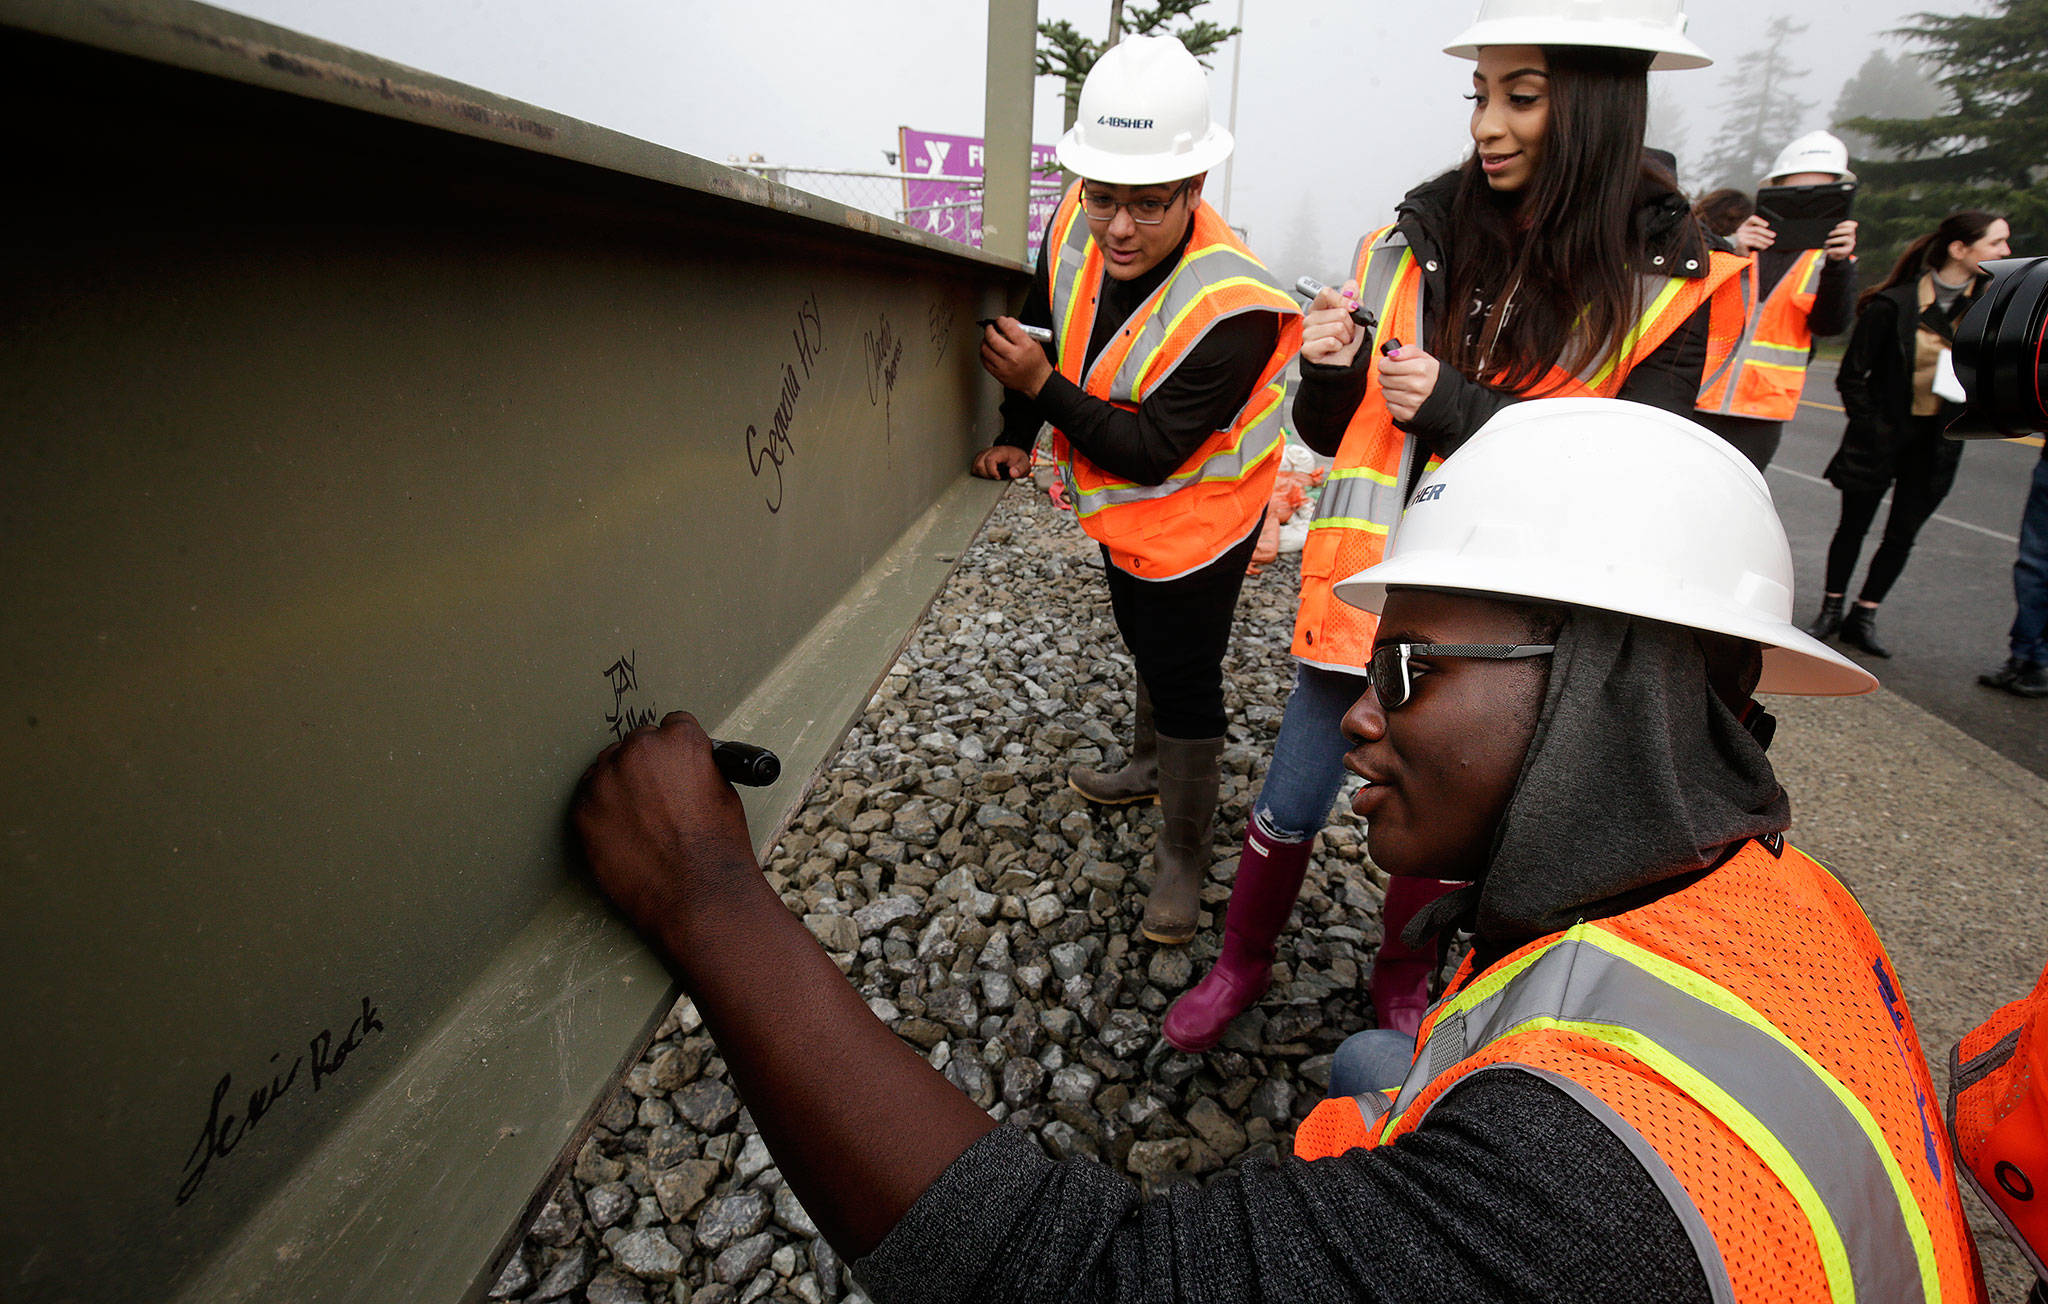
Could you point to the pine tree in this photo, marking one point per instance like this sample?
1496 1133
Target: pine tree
1884 87
1762 112
1982 149
1066 54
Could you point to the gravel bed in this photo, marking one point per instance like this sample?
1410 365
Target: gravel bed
990 917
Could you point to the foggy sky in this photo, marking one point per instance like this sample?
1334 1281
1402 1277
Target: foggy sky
1343 104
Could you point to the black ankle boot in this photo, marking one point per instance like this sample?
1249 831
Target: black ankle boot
1830 618
1859 630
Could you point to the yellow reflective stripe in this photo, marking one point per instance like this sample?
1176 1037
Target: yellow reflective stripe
1706 990
1144 369
1796 350
1348 523
1073 294
1834 1255
1774 366
1401 265
1255 414
1363 473
1672 286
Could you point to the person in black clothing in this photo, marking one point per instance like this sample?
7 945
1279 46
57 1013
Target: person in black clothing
1893 438
1594 778
1170 473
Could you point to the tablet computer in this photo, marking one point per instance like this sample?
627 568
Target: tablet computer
1802 216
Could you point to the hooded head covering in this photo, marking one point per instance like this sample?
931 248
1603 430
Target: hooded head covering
1637 774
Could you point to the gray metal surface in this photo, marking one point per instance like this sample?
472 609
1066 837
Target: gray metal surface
375 450
1006 134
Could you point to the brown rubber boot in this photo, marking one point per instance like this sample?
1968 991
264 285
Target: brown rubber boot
1189 779
1138 780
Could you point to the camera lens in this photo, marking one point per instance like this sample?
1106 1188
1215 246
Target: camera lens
1998 354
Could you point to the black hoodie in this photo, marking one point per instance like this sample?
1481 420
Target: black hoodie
1668 378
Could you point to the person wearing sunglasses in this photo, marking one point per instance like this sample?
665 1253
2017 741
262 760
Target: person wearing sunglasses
1678 1065
1163 385
1559 259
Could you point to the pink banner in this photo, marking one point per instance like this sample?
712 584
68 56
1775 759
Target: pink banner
950 208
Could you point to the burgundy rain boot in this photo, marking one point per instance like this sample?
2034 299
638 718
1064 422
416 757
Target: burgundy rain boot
1268 879
1400 972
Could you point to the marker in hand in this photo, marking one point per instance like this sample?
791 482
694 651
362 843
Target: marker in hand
744 763
1037 334
1308 287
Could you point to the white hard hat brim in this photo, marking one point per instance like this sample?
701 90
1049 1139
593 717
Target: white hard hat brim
1673 51
1144 169
1794 661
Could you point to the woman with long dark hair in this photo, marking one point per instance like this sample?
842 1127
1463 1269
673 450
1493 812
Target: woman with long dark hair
1893 436
1559 259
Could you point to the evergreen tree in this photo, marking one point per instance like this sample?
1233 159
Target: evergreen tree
1884 87
1668 129
1066 54
1983 148
1763 111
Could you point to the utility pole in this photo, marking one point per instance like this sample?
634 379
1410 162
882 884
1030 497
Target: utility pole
1236 66
1116 23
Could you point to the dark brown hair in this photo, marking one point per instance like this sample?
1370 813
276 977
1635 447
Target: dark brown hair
1567 241
1723 210
1930 251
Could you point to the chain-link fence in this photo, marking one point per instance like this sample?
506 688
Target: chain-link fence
945 206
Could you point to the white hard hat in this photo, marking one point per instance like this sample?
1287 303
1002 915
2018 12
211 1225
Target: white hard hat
1654 26
1144 117
1816 151
1614 505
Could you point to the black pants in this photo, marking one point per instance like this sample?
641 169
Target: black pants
1754 439
1177 631
1926 472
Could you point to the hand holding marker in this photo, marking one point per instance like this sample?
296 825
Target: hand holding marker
745 763
1036 334
1308 287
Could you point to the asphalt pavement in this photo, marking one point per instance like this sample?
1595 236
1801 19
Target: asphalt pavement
1945 621
1928 797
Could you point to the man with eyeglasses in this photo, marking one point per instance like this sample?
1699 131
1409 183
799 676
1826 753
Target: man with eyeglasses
1678 1065
1163 387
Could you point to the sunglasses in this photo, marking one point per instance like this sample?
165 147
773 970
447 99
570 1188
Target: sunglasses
1394 683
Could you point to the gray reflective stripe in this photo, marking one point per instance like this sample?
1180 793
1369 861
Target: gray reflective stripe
1255 441
1577 981
1968 1075
1072 255
1649 289
1353 498
1712 1266
1747 279
1749 349
1190 280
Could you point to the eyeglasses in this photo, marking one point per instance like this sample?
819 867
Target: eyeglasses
1145 212
1394 683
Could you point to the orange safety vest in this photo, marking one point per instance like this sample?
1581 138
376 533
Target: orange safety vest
1746 1039
1162 531
1757 353
1998 1112
1373 475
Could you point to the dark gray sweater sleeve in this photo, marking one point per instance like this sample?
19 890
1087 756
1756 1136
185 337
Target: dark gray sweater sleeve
1509 1191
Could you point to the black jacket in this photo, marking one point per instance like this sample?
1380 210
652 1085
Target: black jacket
1668 378
1876 384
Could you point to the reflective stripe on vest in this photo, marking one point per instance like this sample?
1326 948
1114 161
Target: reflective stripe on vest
1215 279
1824 1146
1376 466
1764 369
1998 1115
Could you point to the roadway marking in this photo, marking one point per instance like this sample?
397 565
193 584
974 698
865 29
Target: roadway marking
1945 520
2031 441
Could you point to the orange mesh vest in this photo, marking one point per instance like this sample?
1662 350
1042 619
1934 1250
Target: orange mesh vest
1756 353
1159 532
1746 1039
1998 1111
1373 476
